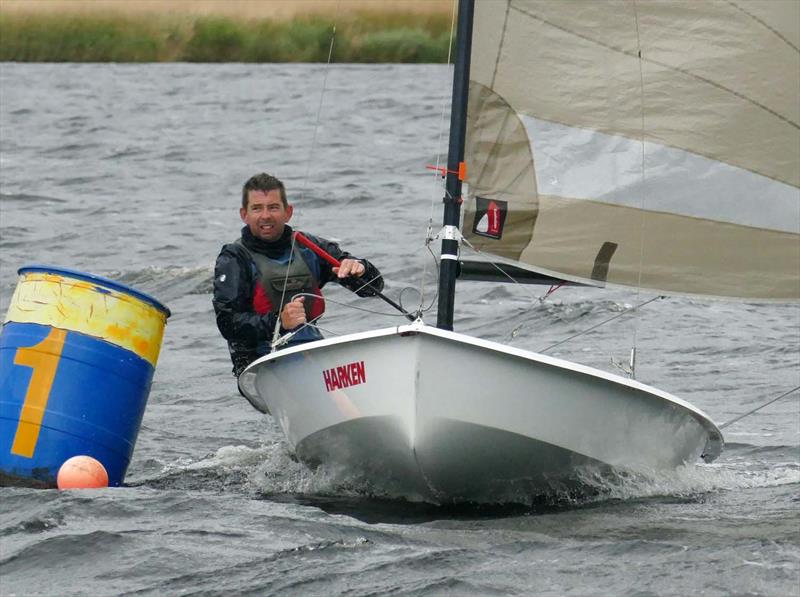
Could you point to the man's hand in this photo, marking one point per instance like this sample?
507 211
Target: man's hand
350 267
293 314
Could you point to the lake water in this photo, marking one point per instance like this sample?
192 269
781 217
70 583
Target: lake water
134 172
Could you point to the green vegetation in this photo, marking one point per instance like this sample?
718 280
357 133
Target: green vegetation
360 37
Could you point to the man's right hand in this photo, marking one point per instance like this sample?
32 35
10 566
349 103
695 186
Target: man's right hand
293 314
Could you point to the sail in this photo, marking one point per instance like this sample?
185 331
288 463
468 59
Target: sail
651 144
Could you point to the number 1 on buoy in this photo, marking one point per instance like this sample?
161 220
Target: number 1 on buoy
43 358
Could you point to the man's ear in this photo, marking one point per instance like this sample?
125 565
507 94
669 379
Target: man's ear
243 213
289 212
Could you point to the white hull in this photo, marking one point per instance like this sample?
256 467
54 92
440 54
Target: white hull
429 414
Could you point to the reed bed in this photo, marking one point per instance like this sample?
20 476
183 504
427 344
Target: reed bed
365 35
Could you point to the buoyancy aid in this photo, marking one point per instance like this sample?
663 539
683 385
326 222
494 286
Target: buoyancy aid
279 283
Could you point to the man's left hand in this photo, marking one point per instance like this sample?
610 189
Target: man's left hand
349 267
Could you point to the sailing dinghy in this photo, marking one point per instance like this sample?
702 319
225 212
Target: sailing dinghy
646 144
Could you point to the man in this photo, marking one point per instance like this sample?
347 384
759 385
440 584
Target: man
256 284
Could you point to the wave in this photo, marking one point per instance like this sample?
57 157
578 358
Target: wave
692 480
51 552
228 468
70 149
168 283
26 198
754 450
14 236
272 472
268 469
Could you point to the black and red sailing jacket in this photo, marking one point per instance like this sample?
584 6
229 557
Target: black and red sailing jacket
249 285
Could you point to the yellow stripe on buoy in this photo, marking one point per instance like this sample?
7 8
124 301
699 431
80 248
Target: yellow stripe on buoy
89 308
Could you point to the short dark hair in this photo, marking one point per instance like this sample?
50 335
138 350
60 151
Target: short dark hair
263 182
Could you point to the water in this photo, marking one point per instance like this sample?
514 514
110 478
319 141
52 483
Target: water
134 172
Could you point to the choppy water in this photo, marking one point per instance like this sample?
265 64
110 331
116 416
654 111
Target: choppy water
134 171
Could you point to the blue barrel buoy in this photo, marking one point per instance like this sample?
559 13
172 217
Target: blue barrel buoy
77 356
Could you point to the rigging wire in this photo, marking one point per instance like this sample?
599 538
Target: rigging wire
277 331
542 298
758 408
276 342
644 187
496 265
437 183
435 298
594 327
312 324
422 308
365 309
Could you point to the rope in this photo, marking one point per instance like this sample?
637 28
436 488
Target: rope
758 408
365 284
364 309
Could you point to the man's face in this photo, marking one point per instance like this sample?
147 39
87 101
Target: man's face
265 214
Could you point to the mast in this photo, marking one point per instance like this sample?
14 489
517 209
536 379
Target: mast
448 268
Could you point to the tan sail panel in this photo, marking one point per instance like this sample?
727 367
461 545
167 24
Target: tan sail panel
667 128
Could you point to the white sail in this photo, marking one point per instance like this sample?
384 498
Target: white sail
648 143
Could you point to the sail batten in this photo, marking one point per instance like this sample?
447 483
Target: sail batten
669 129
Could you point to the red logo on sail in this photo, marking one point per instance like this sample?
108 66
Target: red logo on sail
490 217
338 378
493 229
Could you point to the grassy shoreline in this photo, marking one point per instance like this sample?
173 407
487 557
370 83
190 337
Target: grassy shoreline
360 37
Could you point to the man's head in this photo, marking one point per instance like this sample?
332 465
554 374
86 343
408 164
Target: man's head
265 209
263 182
